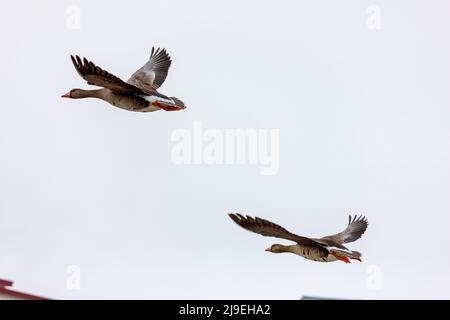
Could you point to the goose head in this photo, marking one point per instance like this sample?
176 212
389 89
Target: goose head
76 94
277 248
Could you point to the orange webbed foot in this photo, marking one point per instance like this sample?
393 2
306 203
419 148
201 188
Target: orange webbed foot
167 107
344 259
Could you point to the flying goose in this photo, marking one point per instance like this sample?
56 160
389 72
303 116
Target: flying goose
139 93
326 249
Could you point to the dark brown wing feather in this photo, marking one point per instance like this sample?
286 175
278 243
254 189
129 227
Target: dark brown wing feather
268 229
95 75
355 229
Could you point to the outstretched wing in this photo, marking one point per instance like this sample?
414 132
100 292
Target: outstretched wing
152 75
355 229
95 75
268 229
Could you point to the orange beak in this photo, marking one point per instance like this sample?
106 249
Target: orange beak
67 95
268 250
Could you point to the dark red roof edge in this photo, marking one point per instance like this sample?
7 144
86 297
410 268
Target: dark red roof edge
5 283
16 294
20 295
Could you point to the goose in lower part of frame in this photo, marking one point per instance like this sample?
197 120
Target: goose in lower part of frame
326 249
139 93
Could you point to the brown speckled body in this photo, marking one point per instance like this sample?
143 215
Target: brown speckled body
123 101
311 253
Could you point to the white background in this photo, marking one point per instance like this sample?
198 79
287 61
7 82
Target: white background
364 128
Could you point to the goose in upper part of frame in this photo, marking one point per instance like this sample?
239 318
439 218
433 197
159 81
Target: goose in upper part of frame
326 249
139 93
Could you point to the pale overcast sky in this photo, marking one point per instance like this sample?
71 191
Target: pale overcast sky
363 118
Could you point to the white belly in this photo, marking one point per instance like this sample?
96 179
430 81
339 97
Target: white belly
152 99
150 108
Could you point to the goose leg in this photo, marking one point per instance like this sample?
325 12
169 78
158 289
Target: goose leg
345 259
166 107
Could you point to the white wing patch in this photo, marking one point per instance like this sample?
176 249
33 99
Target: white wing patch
335 249
152 99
